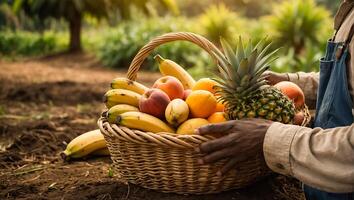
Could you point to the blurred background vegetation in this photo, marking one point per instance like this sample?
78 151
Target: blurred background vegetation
114 30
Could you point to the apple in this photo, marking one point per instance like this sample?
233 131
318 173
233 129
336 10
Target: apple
154 102
186 93
171 86
292 91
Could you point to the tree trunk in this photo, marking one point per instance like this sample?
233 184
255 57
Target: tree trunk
75 33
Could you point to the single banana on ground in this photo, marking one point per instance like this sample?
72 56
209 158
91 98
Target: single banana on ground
121 96
124 83
84 144
168 67
101 152
116 110
176 112
143 122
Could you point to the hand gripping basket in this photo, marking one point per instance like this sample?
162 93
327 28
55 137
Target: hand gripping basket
167 162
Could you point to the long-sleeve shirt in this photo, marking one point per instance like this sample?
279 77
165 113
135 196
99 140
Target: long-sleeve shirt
323 159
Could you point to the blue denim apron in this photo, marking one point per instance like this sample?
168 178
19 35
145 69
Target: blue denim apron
334 104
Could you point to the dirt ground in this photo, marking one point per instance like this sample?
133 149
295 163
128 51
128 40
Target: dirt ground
44 103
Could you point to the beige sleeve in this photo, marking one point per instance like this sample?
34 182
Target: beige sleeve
308 82
323 159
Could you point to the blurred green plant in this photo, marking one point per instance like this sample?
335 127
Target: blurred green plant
218 21
330 4
22 43
73 11
295 23
120 45
289 62
8 18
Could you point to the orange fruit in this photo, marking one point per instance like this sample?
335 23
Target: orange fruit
217 117
205 84
220 107
201 103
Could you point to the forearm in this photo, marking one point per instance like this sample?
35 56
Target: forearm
320 158
308 82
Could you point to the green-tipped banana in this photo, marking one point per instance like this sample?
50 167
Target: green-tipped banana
116 110
84 144
124 83
121 96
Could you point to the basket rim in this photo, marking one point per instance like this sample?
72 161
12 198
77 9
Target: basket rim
163 138
141 137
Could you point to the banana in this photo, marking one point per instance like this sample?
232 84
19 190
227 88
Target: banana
168 67
124 83
121 96
143 122
176 112
116 110
84 144
188 127
101 152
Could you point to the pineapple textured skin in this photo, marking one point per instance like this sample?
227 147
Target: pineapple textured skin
243 88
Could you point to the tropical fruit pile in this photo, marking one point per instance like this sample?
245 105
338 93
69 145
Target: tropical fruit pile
176 103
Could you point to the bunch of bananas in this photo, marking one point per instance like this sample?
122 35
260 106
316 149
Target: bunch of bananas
124 104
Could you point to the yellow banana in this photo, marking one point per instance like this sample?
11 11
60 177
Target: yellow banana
84 144
188 127
116 110
168 67
143 122
101 152
176 112
124 83
121 96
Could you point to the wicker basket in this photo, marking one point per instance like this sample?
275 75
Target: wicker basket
167 162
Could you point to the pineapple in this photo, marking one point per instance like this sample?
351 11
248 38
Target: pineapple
243 88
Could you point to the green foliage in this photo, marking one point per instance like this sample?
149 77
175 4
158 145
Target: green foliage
64 8
308 62
218 21
21 43
8 19
330 4
295 23
120 45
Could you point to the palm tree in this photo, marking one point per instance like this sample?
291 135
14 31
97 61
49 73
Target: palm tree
74 10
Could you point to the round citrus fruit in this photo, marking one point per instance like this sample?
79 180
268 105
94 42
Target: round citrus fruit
217 117
201 103
219 107
205 84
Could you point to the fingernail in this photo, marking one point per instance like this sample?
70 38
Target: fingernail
200 161
196 131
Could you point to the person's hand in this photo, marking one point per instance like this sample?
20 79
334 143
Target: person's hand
274 77
243 139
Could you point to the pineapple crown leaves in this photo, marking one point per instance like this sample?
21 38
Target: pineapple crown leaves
240 71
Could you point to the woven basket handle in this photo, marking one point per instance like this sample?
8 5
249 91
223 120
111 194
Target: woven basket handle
169 37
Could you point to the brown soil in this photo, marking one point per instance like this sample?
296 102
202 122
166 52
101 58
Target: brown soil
44 103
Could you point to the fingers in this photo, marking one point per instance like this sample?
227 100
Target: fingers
215 128
217 155
227 167
215 144
231 164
